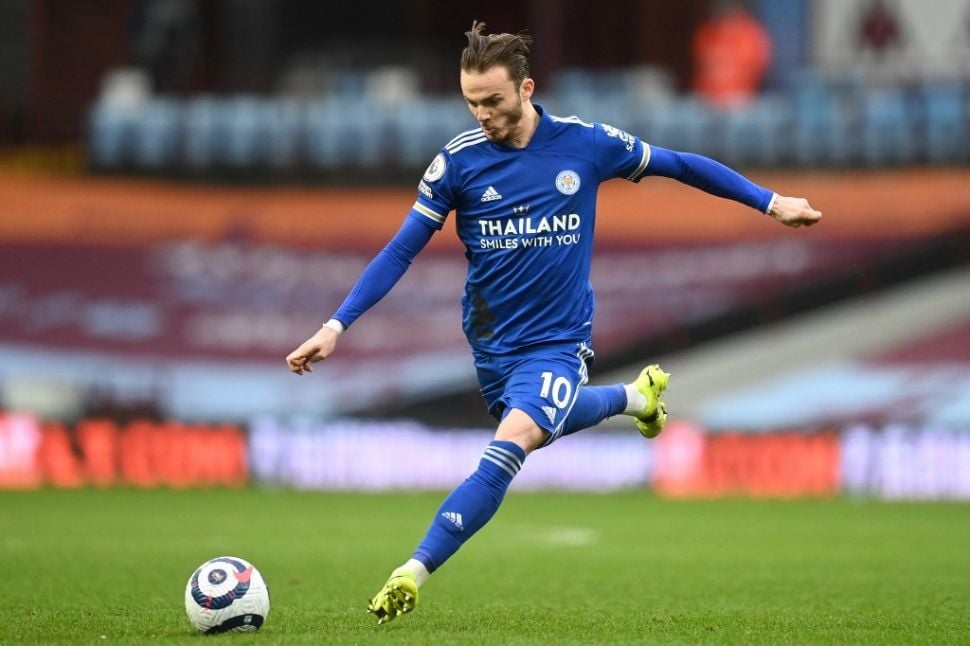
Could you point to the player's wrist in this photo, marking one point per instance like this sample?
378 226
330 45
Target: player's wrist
771 204
336 326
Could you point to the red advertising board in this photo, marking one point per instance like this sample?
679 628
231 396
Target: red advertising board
102 453
690 462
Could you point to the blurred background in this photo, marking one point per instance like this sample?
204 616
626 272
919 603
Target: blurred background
188 189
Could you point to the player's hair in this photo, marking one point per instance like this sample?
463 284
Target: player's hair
485 52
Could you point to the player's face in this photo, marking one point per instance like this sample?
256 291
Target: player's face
496 103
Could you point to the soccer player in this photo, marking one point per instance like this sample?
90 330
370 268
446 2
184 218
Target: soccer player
523 186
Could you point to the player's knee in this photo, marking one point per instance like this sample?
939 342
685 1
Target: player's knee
521 429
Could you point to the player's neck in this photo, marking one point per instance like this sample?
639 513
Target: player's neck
528 123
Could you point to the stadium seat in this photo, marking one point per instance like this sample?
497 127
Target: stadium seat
421 131
321 132
111 129
156 134
681 124
944 121
821 132
202 132
340 133
754 133
283 122
887 132
244 119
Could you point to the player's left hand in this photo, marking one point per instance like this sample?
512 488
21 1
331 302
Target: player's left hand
794 211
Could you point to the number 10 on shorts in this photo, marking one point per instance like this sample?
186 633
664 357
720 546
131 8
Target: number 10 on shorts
560 388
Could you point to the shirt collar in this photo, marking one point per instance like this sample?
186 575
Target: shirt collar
540 135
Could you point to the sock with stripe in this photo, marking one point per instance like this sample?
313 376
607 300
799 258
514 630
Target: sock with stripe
593 405
471 504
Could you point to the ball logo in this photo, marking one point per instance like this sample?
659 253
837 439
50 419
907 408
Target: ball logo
436 170
244 576
567 182
220 592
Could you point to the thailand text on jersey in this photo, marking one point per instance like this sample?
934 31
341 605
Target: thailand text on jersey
526 217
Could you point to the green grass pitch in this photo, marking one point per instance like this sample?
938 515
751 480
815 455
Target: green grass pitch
111 566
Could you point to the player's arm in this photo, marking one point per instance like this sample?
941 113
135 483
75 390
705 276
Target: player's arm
374 283
717 179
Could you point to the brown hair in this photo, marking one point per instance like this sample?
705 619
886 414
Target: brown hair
485 52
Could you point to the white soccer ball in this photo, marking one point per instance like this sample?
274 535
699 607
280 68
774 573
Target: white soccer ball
226 594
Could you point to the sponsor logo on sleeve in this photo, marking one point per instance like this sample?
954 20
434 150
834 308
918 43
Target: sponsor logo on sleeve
623 136
425 190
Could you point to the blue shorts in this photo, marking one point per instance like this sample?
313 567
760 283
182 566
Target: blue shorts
543 382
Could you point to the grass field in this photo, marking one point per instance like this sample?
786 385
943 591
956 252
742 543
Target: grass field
111 566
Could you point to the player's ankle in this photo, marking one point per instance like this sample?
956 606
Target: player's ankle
636 401
416 568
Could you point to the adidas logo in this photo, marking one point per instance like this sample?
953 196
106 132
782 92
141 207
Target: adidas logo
550 413
490 195
455 518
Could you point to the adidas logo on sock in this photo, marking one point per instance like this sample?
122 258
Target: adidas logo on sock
455 518
550 413
490 195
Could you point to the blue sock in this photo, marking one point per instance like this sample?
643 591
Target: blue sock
471 504
593 405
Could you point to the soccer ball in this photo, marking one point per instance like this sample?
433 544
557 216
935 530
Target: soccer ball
226 594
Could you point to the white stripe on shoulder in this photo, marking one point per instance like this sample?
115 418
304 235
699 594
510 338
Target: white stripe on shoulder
643 162
571 119
466 144
428 213
465 135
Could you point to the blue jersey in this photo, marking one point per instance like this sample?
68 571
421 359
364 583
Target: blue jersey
526 217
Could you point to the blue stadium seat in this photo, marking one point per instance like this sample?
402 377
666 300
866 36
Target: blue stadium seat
156 134
944 118
821 127
283 121
340 133
201 145
887 129
756 133
111 129
322 127
684 123
243 120
418 131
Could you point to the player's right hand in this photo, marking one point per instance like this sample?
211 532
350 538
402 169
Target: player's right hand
317 348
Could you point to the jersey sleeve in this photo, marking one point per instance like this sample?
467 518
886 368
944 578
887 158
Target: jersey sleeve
619 154
435 192
384 270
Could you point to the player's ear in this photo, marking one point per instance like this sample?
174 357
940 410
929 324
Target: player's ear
526 88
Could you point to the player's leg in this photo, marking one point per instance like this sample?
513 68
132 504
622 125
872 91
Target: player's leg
593 405
475 501
466 510
640 399
532 394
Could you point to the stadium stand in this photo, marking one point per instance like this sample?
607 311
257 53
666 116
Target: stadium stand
898 355
834 122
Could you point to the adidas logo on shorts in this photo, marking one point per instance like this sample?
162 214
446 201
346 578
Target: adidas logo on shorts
550 413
